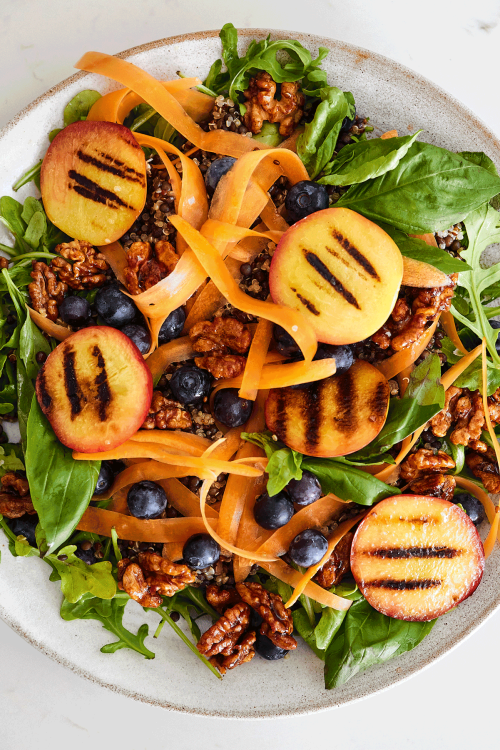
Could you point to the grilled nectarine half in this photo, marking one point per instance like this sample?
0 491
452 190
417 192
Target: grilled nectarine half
331 417
341 271
95 389
93 181
416 557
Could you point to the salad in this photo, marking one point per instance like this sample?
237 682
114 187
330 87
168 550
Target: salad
249 369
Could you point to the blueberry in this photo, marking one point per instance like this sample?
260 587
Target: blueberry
230 409
307 548
273 512
172 326
200 551
472 507
470 340
342 355
255 620
146 500
216 170
105 478
190 384
266 648
24 526
304 491
305 198
86 555
139 335
74 310
284 342
347 123
114 307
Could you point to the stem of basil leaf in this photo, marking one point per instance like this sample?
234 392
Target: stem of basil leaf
166 618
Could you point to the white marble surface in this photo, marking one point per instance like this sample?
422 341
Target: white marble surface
454 703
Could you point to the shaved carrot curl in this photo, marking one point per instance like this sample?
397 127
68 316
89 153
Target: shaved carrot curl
48 326
285 573
401 360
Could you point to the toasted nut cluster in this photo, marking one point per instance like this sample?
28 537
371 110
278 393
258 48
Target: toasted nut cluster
278 621
165 414
434 485
146 267
261 105
226 643
407 324
46 292
425 461
152 577
484 466
87 269
15 500
464 411
337 565
221 599
216 340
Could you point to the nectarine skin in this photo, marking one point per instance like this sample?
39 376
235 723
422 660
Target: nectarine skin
93 181
416 557
95 389
342 271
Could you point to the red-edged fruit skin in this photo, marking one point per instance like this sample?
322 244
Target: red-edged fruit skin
93 181
443 577
95 389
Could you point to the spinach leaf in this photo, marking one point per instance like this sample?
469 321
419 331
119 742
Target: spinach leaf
347 482
316 144
480 158
284 463
366 160
109 612
457 452
32 341
411 247
25 393
430 189
31 175
304 628
53 134
423 399
60 487
78 578
483 229
328 626
79 107
367 638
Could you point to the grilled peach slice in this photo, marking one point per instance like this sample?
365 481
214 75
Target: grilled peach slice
341 271
93 181
331 417
95 389
415 557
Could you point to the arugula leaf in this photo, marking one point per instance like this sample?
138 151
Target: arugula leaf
79 107
78 578
61 488
430 189
31 175
472 377
483 229
109 612
9 461
366 160
269 135
347 482
423 399
366 638
411 247
316 144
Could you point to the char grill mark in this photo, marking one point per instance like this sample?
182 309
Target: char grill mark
307 303
346 419
328 276
405 553
281 415
71 382
312 414
413 585
101 381
46 398
121 170
94 192
378 401
355 254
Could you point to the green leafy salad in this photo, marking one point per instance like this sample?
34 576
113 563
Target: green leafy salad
249 365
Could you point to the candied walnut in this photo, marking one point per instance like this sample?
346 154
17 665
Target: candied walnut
464 410
424 461
222 637
46 292
146 267
282 640
166 254
426 306
4 262
165 414
219 336
133 582
152 577
261 104
243 651
88 267
13 482
484 466
337 565
221 599
433 485
222 365
441 422
269 606
15 500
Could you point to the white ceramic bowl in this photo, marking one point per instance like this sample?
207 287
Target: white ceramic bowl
393 97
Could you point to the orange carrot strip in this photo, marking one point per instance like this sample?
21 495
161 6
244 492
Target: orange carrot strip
292 321
183 500
177 350
489 542
251 378
173 551
429 239
283 375
291 142
404 358
217 141
335 537
100 521
145 470
116 257
487 417
107 107
194 445
480 494
53 329
273 219
217 231
450 328
285 573
389 134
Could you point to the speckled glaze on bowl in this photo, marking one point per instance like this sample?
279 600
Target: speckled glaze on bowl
394 97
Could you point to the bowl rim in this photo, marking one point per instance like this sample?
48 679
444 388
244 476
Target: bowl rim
476 123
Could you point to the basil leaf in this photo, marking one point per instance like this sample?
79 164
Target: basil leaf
366 638
366 160
61 488
109 612
316 144
79 107
480 158
430 189
411 247
347 482
78 578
